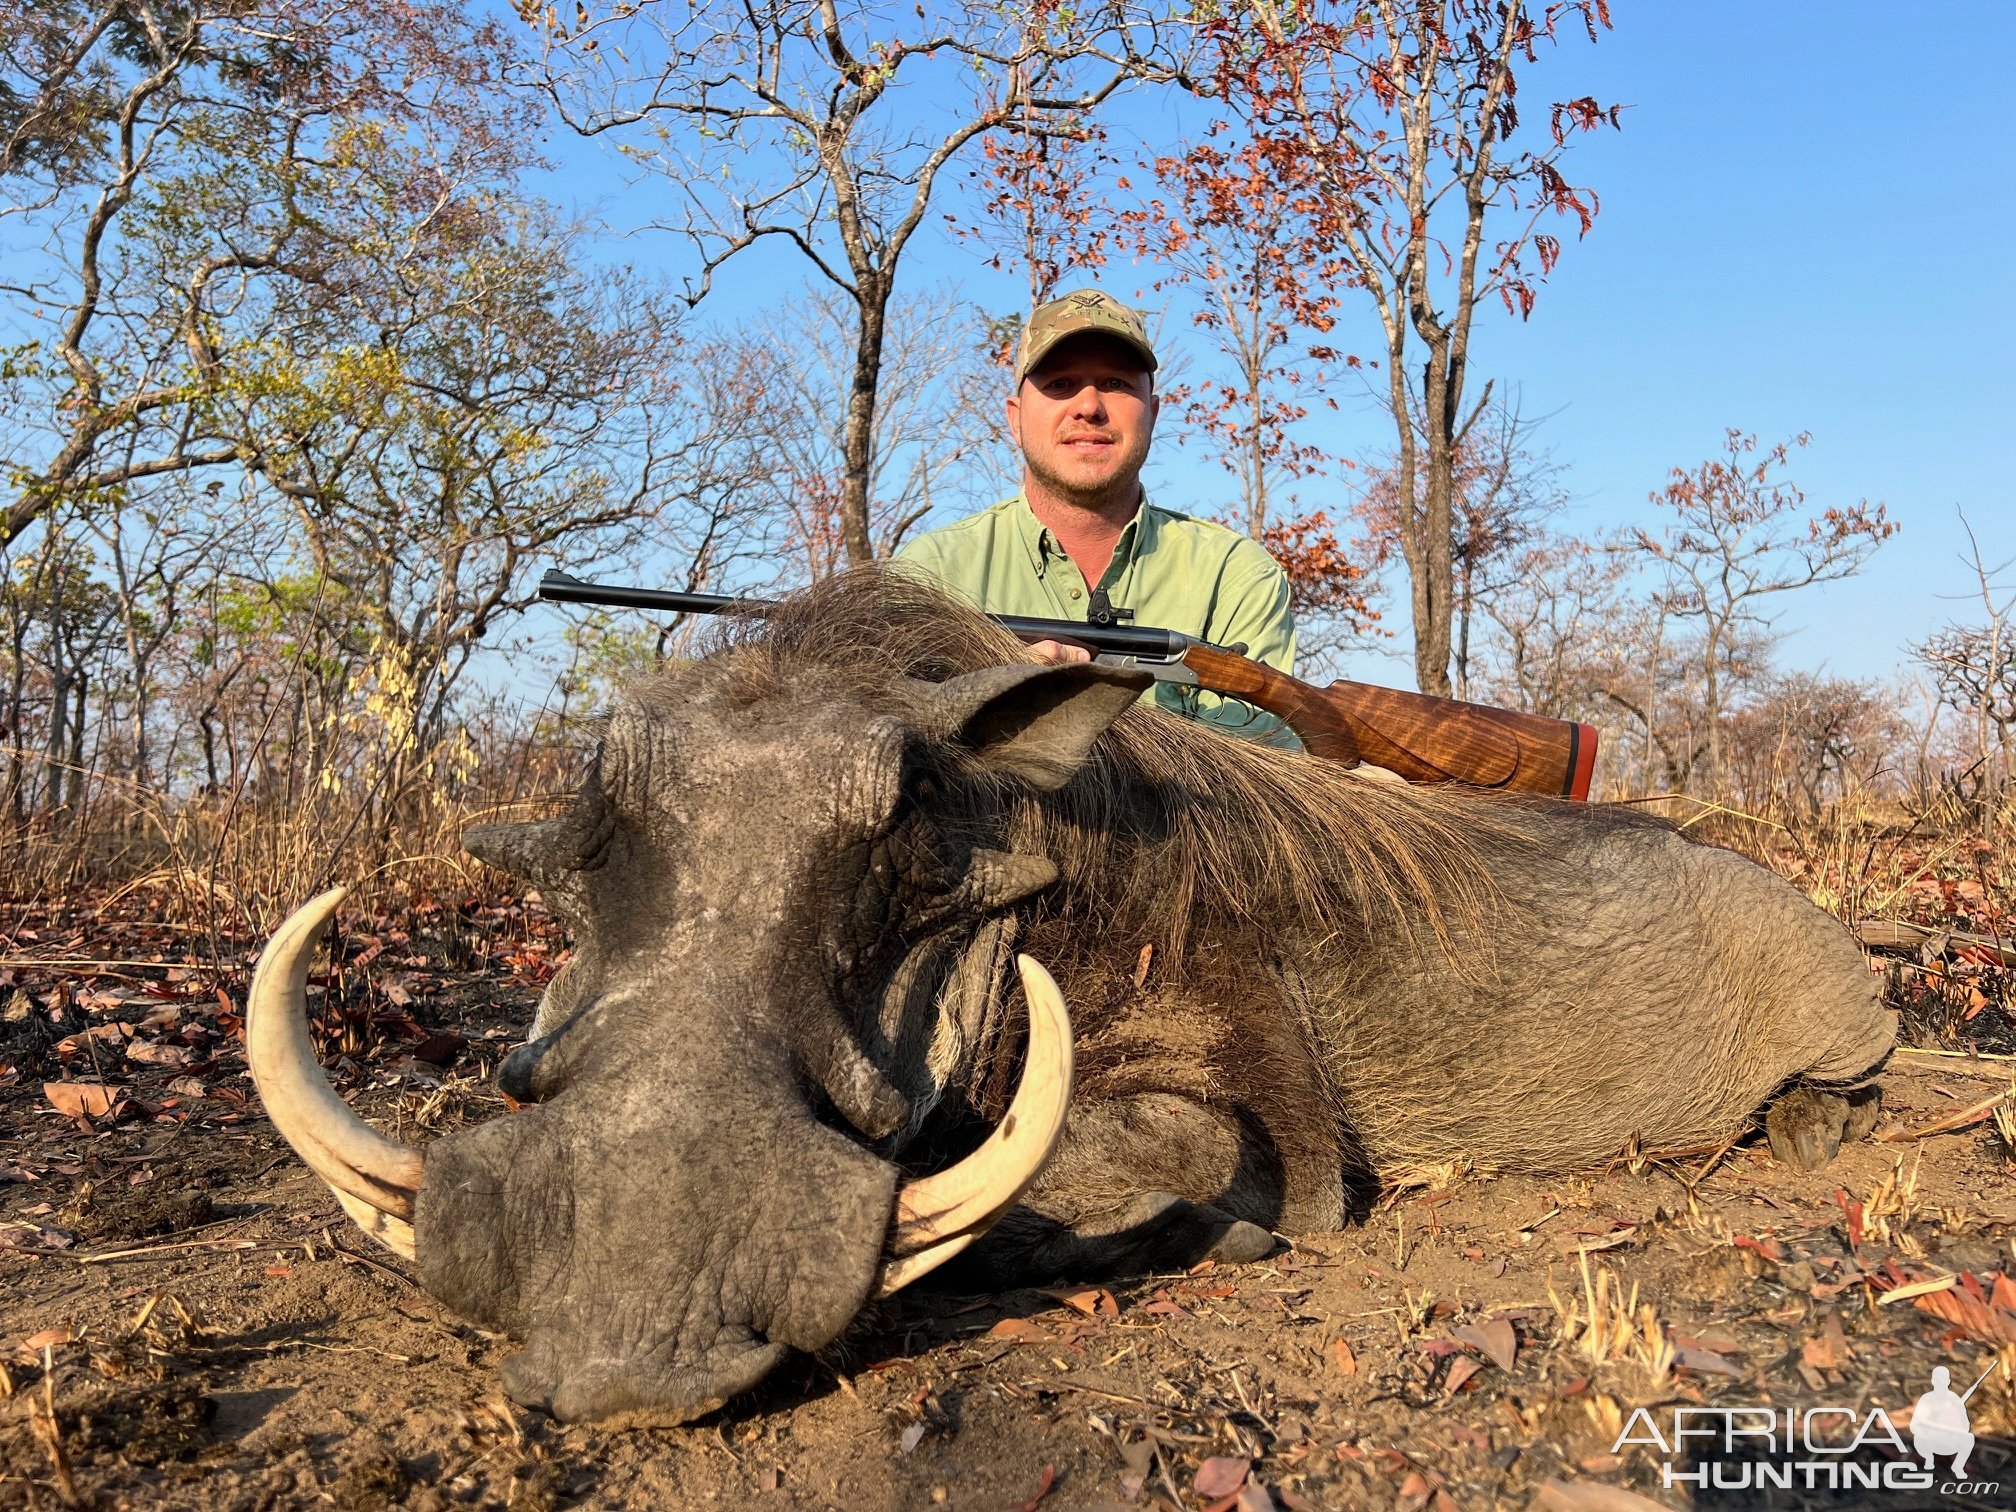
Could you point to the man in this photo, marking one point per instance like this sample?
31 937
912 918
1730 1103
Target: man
1082 538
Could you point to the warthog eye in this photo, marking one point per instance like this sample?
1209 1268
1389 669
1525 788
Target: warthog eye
921 786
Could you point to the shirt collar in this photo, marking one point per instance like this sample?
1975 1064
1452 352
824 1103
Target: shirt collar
1137 537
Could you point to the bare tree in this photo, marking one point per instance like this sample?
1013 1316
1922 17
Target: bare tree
1737 535
1806 741
1973 666
933 430
1406 110
808 123
1504 487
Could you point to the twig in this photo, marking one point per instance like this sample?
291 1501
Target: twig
162 1249
1986 1055
80 963
353 1257
1056 1384
1714 1160
47 1429
383 1354
1951 1121
1893 934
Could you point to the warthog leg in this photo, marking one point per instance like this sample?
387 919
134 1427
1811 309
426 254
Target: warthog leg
375 1178
1808 1125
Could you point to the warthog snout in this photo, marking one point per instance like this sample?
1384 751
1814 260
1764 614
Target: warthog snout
647 1266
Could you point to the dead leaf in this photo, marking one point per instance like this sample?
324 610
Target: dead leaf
33 1236
82 1099
1580 1496
439 1049
48 1338
75 1044
1221 1475
1042 1490
151 1053
1414 1492
1092 1301
1461 1368
1141 966
1703 1361
1140 1459
1345 1356
1253 1497
1494 1339
1828 1349
1016 1328
1972 1312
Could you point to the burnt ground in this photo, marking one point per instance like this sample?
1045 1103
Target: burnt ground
188 1321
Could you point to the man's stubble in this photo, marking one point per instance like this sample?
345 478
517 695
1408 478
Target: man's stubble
1122 488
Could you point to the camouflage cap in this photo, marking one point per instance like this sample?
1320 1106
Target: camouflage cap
1074 314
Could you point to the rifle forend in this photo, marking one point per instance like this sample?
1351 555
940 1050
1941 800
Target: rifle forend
1418 736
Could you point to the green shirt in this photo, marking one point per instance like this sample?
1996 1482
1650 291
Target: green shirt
1173 571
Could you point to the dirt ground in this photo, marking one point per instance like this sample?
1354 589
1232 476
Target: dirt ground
188 1321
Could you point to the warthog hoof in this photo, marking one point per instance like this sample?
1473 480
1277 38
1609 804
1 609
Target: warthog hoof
1808 1125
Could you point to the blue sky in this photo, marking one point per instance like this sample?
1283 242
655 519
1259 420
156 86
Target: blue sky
1806 225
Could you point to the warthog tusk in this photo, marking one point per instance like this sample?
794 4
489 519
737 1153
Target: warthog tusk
375 1178
938 1216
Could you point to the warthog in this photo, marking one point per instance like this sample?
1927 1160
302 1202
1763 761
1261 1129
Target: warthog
796 876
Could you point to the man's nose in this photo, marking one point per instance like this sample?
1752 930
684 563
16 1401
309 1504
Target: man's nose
1089 403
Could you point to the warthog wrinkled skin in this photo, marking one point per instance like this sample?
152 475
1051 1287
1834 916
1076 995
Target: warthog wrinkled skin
795 877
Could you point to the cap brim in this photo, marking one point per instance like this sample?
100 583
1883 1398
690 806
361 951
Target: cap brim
1049 344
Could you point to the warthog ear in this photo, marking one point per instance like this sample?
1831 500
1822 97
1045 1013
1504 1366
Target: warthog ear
1033 722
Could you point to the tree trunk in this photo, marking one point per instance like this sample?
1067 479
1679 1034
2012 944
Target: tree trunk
1434 581
858 440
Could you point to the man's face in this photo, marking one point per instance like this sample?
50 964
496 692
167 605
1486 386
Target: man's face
1083 418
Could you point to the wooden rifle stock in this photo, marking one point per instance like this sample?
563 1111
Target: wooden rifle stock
1420 737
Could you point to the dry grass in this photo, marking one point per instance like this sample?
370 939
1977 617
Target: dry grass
1610 1326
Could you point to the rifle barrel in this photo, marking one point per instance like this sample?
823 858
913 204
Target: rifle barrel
1123 640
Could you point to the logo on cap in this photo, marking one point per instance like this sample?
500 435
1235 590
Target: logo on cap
1074 314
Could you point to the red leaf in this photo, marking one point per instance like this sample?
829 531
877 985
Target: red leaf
1221 1475
1042 1490
1461 1368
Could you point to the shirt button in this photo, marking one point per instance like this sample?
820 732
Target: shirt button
1074 593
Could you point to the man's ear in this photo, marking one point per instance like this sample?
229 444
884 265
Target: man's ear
1034 723
1015 415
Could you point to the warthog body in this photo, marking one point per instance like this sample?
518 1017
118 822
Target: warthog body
796 877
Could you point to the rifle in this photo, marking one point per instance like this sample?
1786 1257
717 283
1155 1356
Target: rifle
1418 736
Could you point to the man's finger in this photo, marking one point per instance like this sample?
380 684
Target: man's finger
1057 652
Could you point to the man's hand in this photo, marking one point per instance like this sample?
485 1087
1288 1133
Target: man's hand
1057 653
